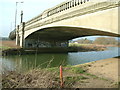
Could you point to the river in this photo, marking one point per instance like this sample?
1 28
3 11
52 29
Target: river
27 62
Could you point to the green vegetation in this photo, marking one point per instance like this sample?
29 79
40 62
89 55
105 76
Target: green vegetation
94 76
70 80
74 78
77 70
4 47
52 69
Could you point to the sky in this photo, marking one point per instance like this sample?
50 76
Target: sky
31 8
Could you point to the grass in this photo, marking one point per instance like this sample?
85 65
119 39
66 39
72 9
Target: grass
52 69
74 78
68 68
70 80
77 70
94 76
4 47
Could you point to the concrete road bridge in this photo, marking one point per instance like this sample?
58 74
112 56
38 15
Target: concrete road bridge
69 20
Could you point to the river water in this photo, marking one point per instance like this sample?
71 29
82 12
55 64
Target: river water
27 62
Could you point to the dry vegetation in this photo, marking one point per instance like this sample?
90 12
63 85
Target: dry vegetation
73 77
87 47
7 44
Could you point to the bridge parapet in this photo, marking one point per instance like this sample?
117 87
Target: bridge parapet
69 11
57 9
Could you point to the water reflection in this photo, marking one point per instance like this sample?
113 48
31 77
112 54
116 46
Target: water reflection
84 57
25 62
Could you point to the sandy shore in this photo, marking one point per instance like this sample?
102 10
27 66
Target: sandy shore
106 68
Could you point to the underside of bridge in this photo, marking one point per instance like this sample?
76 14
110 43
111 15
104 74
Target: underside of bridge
67 33
59 36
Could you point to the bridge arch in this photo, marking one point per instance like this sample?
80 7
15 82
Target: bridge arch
59 36
65 32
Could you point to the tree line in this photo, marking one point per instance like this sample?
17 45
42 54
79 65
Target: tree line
99 40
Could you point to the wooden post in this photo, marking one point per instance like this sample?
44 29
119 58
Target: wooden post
61 77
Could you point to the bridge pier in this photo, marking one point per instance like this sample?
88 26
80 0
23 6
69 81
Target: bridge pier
22 40
20 35
17 36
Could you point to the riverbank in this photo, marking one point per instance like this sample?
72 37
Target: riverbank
86 48
8 44
26 51
9 48
97 74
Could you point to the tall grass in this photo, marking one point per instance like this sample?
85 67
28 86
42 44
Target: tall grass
15 79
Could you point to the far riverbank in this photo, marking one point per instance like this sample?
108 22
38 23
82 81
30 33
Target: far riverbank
9 48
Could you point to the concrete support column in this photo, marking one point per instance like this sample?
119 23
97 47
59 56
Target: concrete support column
22 40
17 36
